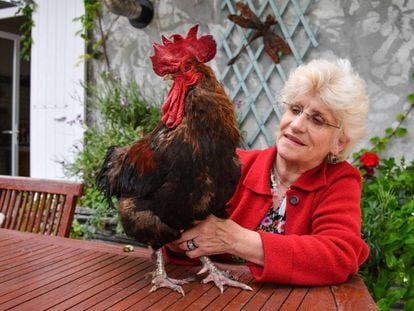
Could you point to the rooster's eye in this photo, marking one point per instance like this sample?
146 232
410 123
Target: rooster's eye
187 67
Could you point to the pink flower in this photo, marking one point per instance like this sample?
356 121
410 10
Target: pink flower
123 101
266 221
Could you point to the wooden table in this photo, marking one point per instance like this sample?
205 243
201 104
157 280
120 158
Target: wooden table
52 273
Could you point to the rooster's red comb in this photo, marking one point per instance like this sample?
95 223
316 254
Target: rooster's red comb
167 57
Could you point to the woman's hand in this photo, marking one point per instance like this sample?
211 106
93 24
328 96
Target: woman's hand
215 236
210 237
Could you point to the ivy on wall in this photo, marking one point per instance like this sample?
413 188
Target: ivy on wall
26 8
93 32
91 20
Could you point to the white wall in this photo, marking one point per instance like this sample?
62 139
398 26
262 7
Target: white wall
57 96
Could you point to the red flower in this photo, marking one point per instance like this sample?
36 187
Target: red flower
369 159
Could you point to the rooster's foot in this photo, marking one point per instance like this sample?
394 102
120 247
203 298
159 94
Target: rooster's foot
164 281
220 278
161 279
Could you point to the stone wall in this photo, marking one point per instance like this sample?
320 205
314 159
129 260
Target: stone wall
377 36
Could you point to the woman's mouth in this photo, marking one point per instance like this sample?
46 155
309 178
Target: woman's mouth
294 139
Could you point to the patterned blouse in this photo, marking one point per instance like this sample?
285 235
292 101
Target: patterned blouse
275 219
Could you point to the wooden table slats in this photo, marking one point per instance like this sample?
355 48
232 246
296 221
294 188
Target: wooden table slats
39 272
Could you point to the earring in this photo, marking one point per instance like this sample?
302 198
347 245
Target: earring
332 158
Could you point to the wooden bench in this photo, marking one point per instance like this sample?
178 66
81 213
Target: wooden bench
41 206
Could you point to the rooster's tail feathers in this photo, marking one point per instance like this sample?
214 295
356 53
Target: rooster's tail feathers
107 179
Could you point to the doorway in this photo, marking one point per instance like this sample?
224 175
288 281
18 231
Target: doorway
14 100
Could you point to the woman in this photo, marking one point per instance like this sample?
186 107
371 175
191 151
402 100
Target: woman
295 215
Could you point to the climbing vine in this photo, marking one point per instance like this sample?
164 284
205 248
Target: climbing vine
380 143
26 8
91 21
96 42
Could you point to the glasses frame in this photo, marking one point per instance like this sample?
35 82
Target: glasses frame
309 116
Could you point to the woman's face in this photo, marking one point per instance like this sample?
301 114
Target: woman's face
308 132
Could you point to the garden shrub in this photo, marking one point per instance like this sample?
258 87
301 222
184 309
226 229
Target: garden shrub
388 228
388 220
122 117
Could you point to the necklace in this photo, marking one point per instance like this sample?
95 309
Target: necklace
279 199
276 181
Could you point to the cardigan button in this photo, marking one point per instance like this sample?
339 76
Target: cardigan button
294 200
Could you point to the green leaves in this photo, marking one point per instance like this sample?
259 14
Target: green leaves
401 117
92 31
387 205
388 228
26 8
400 132
381 143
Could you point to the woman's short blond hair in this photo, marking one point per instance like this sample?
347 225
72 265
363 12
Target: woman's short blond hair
342 90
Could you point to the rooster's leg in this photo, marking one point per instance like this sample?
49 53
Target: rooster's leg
161 279
219 277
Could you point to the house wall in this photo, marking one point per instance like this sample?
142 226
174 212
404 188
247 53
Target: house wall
56 92
377 36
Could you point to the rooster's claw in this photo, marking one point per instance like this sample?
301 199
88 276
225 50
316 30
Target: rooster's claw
220 278
164 281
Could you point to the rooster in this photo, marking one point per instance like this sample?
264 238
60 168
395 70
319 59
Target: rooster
185 169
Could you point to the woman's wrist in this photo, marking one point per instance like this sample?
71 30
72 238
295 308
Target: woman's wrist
244 243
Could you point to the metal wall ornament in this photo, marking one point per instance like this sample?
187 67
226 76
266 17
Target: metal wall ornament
138 12
272 42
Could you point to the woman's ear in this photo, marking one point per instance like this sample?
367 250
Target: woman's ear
340 144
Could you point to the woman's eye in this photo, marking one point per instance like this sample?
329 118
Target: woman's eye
318 120
296 110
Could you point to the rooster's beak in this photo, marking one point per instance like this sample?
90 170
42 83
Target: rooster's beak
168 77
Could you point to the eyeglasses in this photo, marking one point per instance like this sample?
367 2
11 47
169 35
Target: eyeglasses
316 120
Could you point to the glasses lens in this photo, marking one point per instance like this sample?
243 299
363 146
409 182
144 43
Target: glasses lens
315 121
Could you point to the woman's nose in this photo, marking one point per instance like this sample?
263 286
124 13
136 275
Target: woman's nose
299 122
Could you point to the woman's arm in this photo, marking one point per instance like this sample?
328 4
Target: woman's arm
215 236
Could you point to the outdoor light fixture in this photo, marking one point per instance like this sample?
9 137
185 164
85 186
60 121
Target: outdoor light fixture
138 12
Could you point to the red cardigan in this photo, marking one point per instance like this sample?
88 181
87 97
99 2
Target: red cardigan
322 242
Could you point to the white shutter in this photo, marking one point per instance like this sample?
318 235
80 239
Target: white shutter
56 96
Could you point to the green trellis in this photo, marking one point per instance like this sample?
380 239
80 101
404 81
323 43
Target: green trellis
254 81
